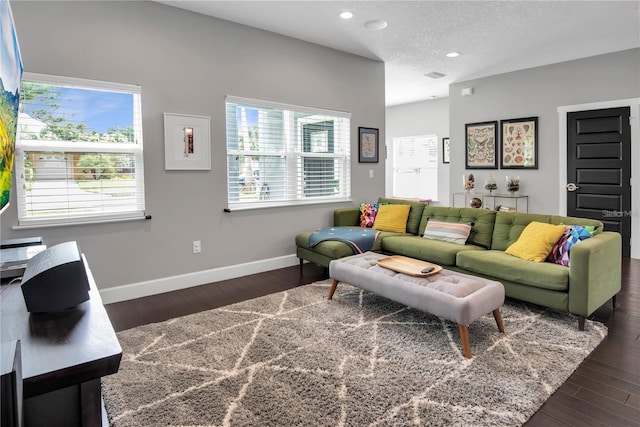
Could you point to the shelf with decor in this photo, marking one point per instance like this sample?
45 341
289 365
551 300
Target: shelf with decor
512 202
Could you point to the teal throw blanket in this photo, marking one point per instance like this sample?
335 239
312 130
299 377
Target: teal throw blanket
359 239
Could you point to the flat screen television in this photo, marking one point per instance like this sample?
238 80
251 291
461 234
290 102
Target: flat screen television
10 79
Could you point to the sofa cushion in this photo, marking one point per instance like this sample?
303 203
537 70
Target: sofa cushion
481 221
436 251
330 248
509 225
392 218
500 265
453 232
415 212
536 241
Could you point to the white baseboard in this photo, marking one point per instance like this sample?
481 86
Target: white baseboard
183 281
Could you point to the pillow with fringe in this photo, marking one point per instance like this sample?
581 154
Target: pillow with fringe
368 213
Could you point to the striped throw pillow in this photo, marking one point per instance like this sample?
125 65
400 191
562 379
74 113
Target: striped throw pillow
452 232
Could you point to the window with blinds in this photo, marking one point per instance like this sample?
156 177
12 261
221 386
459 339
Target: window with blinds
79 151
281 154
415 166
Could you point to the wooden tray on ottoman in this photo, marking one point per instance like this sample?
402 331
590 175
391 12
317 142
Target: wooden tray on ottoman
406 265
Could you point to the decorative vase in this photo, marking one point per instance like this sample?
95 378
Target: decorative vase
513 185
475 203
490 184
469 182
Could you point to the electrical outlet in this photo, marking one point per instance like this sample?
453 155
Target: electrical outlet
197 247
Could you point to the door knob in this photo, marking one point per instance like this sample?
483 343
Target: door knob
572 187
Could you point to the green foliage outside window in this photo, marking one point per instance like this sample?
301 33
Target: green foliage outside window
60 127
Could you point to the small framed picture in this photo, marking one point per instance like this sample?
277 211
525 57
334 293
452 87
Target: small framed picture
481 145
519 149
445 150
368 145
187 142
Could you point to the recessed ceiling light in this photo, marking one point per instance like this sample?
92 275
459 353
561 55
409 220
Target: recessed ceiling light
346 15
376 24
453 54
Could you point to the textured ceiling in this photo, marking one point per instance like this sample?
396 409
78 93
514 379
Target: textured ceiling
493 36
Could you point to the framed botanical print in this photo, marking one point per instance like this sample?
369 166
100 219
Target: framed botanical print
519 148
480 145
367 145
445 150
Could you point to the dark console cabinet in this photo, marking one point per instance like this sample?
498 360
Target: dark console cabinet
64 354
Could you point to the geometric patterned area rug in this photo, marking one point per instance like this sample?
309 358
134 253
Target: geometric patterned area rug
296 359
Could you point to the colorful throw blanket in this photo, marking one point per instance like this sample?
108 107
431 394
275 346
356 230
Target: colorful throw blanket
359 239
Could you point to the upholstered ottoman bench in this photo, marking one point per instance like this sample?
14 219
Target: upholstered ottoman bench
457 297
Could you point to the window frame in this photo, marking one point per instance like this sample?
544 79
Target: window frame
137 210
294 153
423 161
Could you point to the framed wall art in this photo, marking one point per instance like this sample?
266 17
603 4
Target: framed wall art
10 78
519 148
368 145
481 145
187 142
445 150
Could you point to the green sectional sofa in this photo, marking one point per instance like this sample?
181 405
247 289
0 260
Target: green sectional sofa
592 278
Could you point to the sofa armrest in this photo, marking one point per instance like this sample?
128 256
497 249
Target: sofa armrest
595 269
346 217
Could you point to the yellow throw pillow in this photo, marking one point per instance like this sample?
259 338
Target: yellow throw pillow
392 218
536 241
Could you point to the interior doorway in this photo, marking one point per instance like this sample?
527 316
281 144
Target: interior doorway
634 122
599 169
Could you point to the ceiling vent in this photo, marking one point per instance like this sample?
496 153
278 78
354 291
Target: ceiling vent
435 75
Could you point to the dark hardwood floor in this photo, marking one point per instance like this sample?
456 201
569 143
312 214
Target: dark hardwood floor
603 391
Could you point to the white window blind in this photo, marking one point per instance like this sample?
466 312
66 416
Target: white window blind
415 166
79 151
280 154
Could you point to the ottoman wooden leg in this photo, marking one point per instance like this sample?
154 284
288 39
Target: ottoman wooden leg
464 336
498 317
334 285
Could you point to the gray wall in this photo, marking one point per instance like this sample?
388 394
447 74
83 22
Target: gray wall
420 118
186 63
533 92
539 92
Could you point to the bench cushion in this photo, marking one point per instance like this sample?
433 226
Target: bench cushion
458 297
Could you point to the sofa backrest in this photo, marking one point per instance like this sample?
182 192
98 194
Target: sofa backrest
482 221
415 212
509 226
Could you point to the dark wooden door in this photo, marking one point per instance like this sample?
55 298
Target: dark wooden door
599 169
